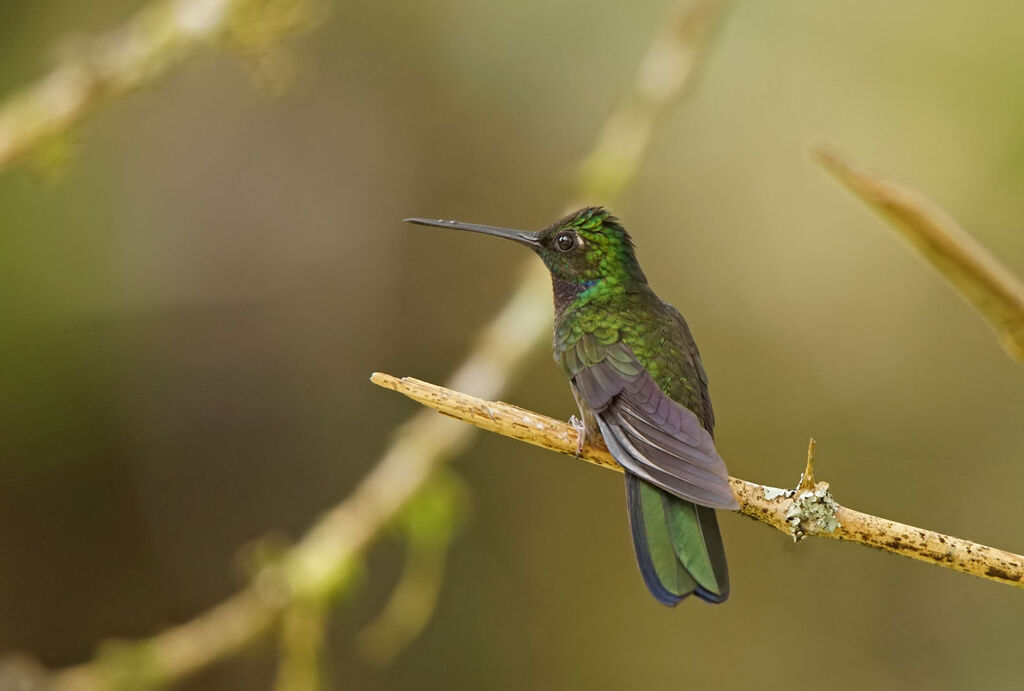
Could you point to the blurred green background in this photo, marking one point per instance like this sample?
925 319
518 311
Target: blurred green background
191 312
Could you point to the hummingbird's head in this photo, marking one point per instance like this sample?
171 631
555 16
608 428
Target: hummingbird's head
588 246
583 248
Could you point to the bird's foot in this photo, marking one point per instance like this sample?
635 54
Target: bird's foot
581 433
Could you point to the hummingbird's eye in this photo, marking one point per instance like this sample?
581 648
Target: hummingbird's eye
565 242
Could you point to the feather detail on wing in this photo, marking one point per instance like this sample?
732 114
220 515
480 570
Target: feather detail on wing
648 433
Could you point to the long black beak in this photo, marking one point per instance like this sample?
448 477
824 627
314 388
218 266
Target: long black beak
523 237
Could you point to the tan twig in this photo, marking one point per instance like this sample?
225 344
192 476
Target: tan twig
323 562
802 512
980 278
807 477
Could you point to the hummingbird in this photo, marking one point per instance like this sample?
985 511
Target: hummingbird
637 378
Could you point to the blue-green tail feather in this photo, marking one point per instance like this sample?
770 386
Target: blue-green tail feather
678 545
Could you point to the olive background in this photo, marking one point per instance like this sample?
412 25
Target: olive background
193 304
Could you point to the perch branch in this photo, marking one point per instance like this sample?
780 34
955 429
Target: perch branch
981 279
805 511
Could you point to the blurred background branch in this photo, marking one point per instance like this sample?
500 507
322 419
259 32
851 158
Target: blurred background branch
804 511
294 588
428 525
302 632
981 279
137 54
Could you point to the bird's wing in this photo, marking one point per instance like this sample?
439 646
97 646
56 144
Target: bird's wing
648 433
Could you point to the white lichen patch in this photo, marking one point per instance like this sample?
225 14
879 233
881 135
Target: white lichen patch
813 512
773 493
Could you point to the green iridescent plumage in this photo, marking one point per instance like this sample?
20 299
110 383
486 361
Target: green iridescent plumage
637 376
653 331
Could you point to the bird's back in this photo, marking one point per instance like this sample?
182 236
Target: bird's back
656 333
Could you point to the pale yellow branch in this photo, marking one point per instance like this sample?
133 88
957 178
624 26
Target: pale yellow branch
800 513
983 281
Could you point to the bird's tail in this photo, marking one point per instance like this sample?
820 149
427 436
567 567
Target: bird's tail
678 545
